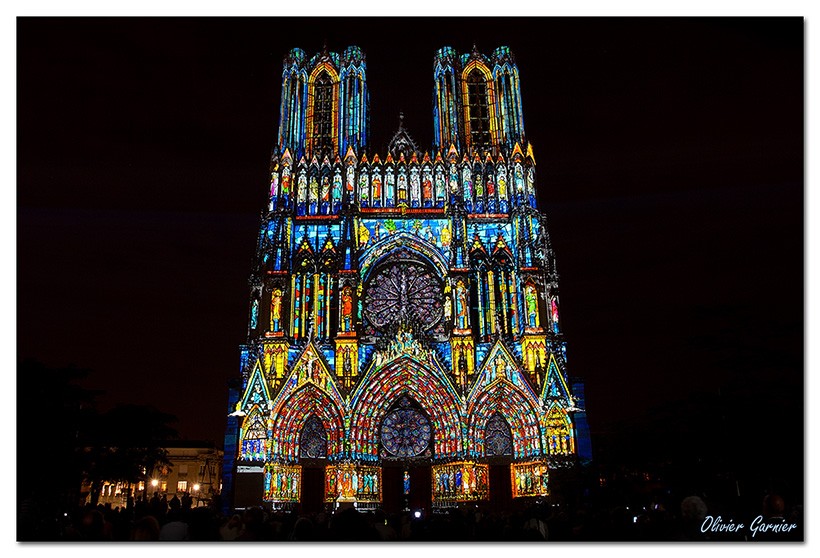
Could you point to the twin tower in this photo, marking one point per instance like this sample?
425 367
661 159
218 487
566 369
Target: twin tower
404 345
324 108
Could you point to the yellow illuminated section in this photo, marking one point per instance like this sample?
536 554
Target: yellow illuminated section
534 348
463 346
275 358
491 104
283 483
347 362
328 69
529 479
347 482
559 436
461 481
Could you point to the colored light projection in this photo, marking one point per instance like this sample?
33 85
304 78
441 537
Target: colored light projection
463 359
405 431
319 189
347 363
275 359
348 482
534 349
529 479
514 406
404 306
324 102
283 483
400 290
531 301
254 438
495 285
276 311
308 393
418 381
559 438
462 481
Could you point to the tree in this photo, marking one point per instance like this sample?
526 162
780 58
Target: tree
53 417
62 439
127 445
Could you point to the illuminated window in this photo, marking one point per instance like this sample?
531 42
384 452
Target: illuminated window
323 112
478 108
163 486
313 442
182 486
498 436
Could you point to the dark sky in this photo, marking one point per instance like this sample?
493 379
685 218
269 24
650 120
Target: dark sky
670 159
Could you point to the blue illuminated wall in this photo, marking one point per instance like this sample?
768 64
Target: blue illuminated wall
407 277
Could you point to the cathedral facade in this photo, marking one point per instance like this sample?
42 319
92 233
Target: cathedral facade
404 341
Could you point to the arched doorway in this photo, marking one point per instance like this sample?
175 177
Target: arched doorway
313 457
498 448
405 448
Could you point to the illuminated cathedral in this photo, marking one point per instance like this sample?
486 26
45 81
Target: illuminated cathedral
404 344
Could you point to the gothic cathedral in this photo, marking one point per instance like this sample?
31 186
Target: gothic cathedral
404 341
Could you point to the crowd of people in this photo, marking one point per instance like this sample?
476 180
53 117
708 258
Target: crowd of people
161 519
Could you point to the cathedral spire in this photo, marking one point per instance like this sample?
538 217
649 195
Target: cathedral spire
402 144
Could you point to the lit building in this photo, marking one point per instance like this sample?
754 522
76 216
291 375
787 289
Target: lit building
194 467
404 340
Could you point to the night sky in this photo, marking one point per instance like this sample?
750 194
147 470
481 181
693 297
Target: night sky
670 168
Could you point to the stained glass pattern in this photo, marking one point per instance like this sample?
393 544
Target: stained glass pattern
347 482
283 483
497 437
484 188
254 440
460 482
405 432
291 415
402 291
313 442
558 432
369 405
529 479
503 398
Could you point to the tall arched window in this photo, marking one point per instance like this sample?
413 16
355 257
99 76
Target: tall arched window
497 437
322 137
313 441
478 109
